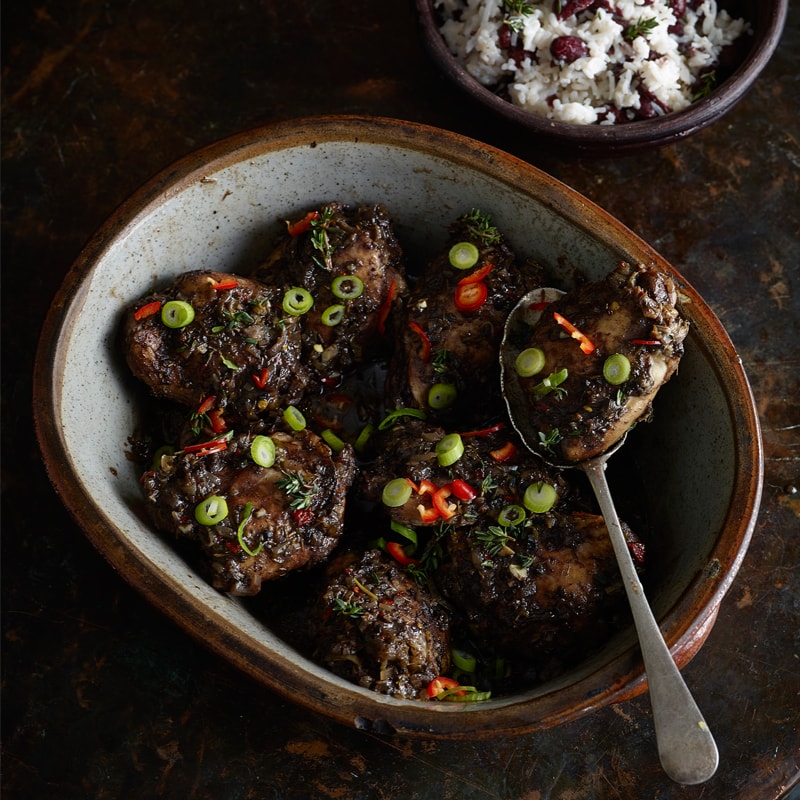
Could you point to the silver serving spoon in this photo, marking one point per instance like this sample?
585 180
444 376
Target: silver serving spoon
686 747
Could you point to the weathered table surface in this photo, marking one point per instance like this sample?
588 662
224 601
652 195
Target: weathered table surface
103 697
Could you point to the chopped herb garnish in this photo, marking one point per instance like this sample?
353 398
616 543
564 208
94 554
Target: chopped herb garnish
495 539
480 227
705 85
439 361
548 441
298 490
347 609
228 363
322 226
515 10
640 28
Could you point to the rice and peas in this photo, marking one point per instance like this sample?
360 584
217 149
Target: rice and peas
606 62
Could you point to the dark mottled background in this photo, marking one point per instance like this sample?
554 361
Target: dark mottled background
103 697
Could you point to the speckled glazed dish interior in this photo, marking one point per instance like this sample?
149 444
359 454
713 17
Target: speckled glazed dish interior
220 209
767 20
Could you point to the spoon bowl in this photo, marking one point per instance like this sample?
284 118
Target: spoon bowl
686 747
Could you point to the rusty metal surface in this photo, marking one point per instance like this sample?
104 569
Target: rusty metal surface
102 696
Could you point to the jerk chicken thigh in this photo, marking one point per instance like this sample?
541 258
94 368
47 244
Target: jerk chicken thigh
208 334
253 523
546 591
446 340
348 262
603 351
375 626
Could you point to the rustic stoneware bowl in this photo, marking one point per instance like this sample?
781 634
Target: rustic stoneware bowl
766 18
219 209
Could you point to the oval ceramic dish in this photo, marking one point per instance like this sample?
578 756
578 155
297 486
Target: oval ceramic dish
766 18
220 209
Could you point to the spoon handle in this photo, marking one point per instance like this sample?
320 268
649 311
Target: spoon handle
686 747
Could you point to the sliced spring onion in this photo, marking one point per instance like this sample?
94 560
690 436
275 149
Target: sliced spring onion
212 510
540 497
262 451
177 314
297 301
334 442
164 450
463 255
396 493
248 510
511 516
294 418
347 287
449 449
463 660
616 369
332 315
551 382
442 395
530 362
363 438
393 416
405 532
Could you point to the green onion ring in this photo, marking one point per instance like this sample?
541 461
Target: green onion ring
511 515
332 315
396 493
177 314
262 451
530 362
617 369
463 660
294 418
212 510
248 510
540 497
463 255
393 416
297 301
441 396
164 450
404 531
449 449
334 442
363 438
347 287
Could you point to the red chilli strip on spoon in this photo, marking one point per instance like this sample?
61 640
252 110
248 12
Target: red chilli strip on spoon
587 345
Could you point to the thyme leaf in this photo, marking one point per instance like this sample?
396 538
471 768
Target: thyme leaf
480 227
300 492
640 28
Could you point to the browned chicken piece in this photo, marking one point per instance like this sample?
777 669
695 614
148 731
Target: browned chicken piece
491 475
608 348
546 592
374 626
273 519
446 342
349 260
233 342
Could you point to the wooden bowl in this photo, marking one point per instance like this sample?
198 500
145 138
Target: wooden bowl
767 20
219 209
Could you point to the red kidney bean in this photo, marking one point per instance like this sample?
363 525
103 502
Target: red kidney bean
566 49
678 7
570 7
504 37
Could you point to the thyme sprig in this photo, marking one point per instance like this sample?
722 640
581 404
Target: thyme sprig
495 540
481 227
300 491
322 227
640 28
347 609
